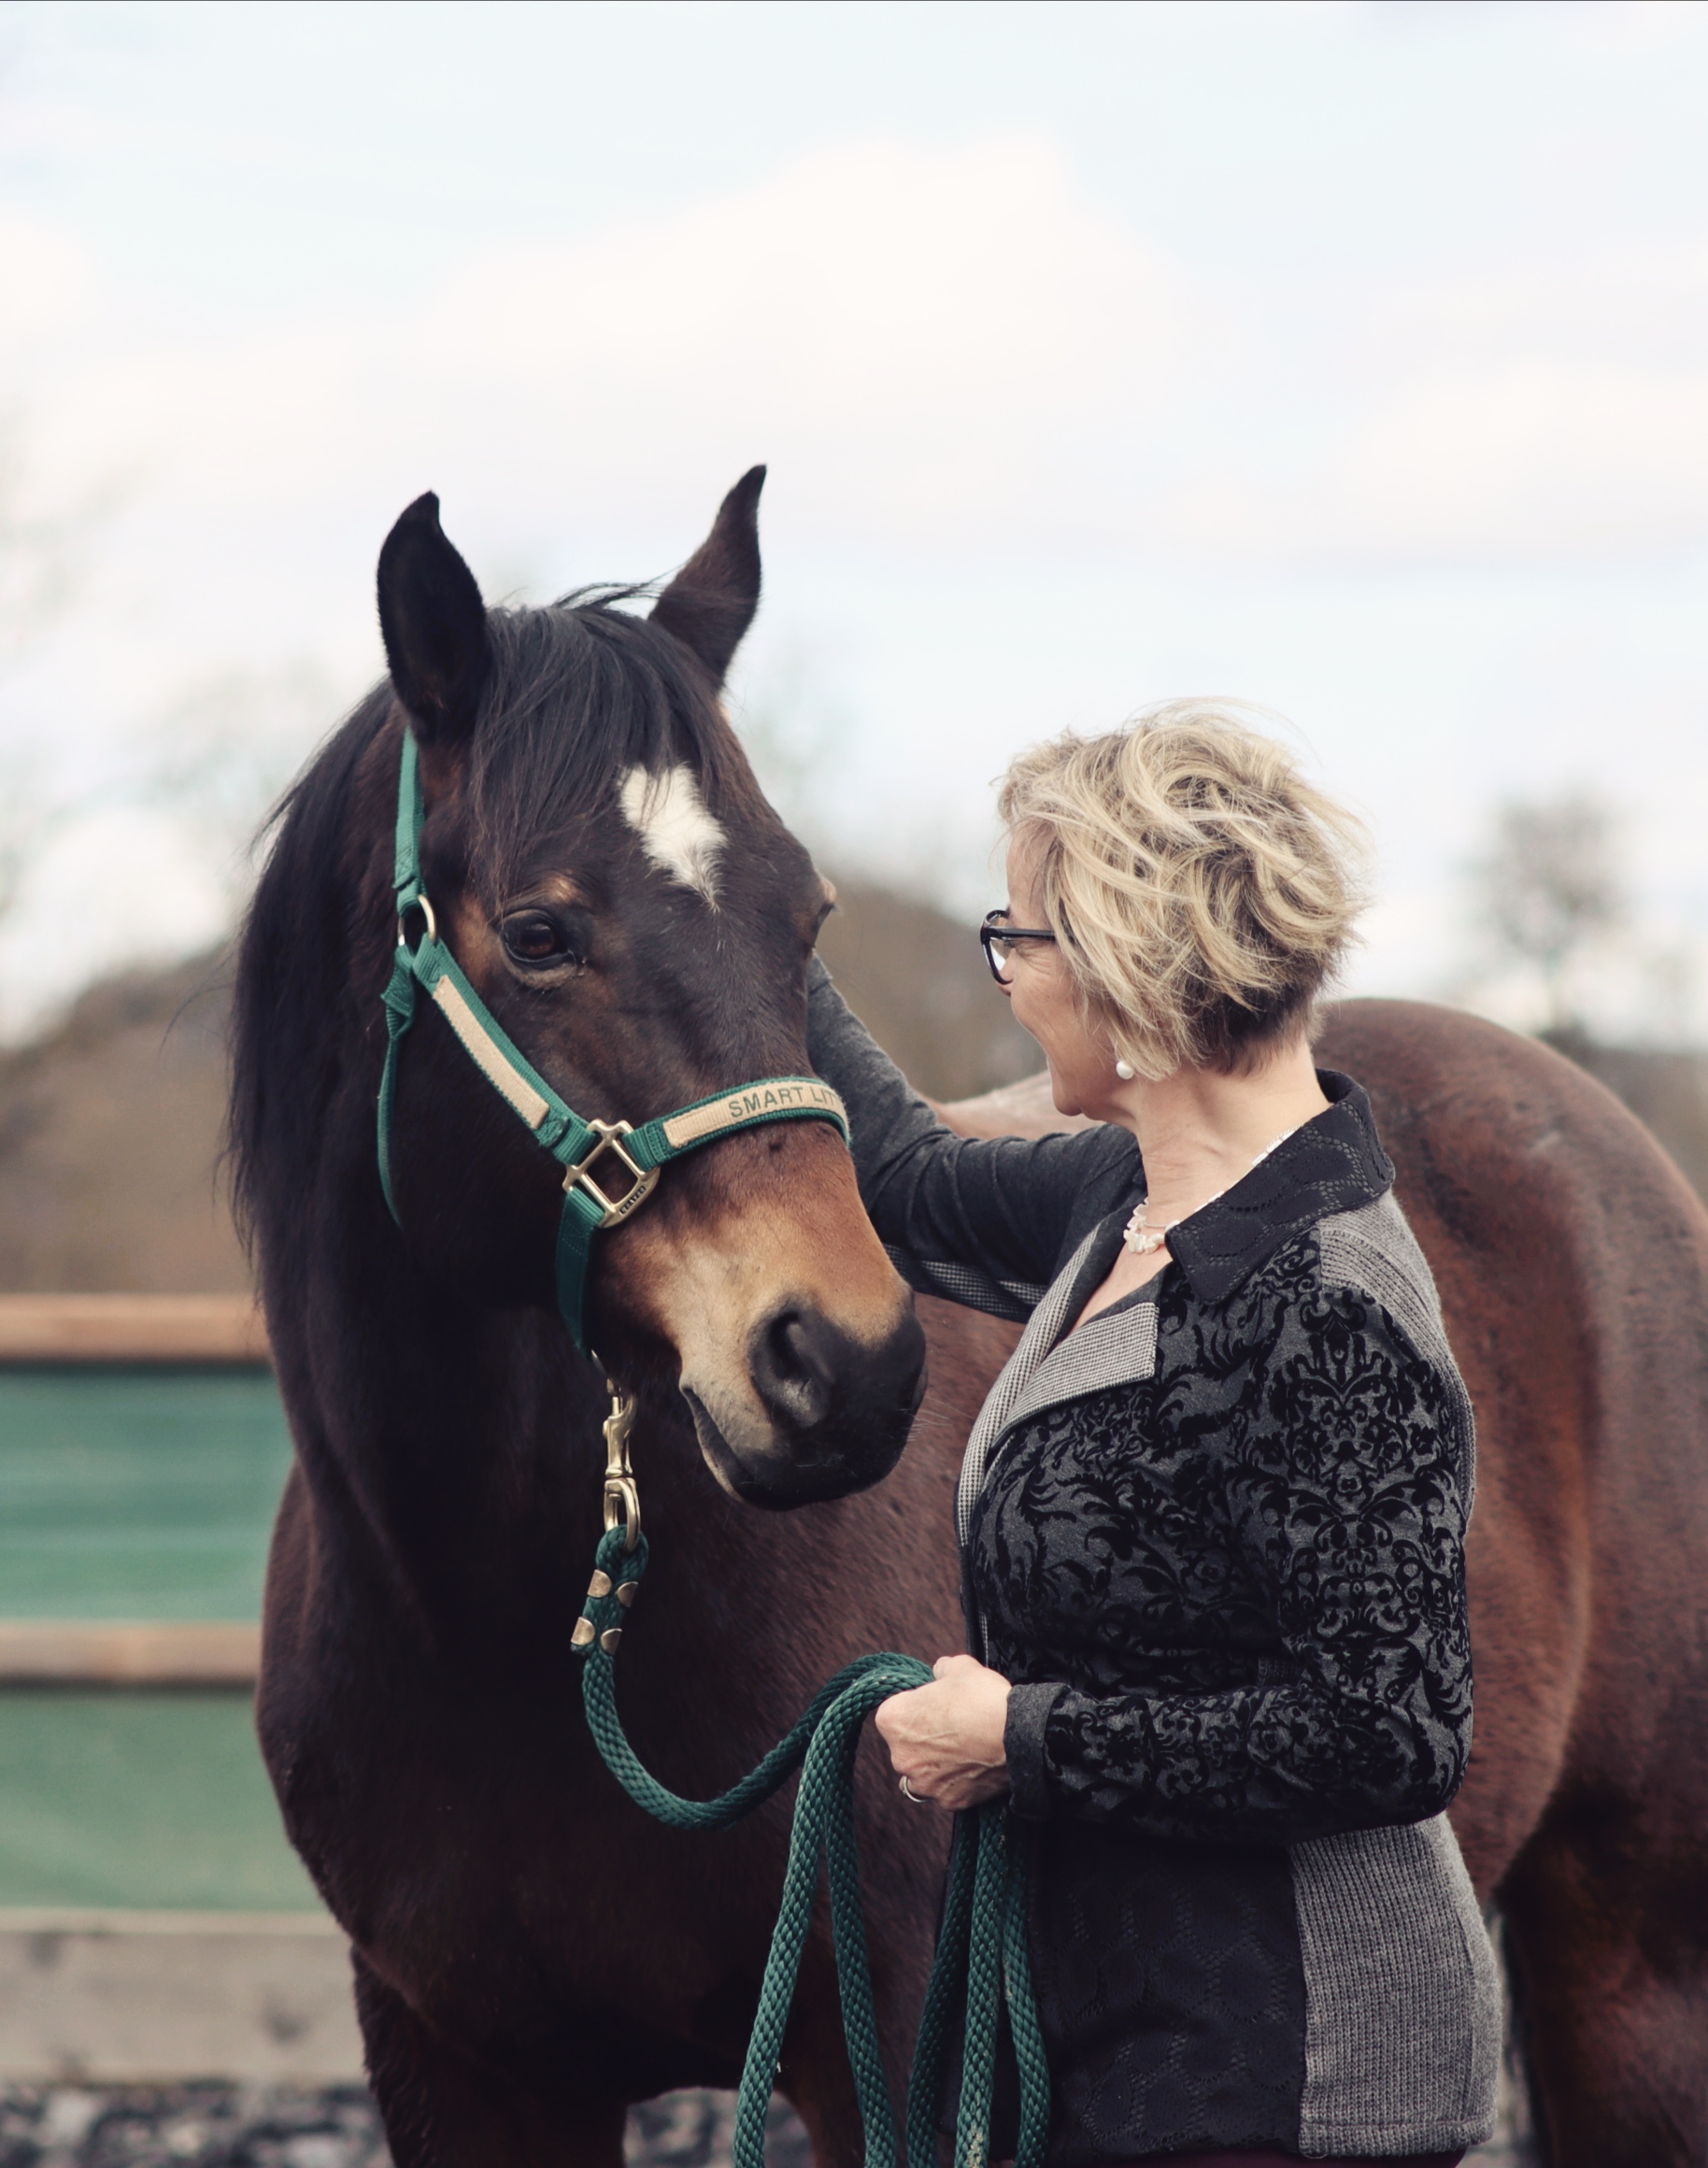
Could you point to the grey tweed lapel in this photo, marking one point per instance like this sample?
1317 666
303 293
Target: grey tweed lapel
1116 1348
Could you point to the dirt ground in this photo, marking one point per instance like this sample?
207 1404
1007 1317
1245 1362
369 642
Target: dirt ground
225 2126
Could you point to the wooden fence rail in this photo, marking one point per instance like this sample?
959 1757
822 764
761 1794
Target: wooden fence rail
223 1329
37 1652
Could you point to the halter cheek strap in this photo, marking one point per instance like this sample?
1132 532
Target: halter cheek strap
585 1149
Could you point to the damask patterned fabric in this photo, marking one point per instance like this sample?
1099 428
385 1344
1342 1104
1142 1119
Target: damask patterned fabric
1268 1533
1216 1540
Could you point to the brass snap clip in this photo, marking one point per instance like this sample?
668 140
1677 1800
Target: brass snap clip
642 1180
622 1498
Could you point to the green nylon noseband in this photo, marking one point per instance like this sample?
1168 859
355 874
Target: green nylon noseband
577 1145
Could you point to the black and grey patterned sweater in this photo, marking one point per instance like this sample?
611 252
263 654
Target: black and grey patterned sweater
1214 1537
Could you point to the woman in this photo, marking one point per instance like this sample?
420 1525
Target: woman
1213 1514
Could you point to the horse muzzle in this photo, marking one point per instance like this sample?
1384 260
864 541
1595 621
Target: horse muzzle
822 1414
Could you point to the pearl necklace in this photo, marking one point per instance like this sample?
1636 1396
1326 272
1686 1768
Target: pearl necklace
1142 1239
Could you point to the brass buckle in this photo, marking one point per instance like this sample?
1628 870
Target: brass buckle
614 1210
622 1498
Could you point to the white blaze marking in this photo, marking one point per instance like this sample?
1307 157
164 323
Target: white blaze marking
677 831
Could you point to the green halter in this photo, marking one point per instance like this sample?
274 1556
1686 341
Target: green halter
576 1144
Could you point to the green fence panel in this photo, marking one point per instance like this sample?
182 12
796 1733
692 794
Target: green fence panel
137 1493
156 1801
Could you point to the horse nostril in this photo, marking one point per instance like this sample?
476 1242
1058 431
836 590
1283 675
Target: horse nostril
839 1408
843 1395
795 1365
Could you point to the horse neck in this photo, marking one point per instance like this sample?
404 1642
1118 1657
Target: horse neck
452 1451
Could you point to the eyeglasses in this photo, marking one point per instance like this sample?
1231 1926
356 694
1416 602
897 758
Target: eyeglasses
999 941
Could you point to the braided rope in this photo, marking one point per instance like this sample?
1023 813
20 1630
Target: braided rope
981 1949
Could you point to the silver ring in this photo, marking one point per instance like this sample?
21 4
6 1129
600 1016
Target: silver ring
909 1793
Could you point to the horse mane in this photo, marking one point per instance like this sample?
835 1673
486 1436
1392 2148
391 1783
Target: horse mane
575 694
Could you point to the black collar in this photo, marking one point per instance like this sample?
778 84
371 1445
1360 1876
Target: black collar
1335 1164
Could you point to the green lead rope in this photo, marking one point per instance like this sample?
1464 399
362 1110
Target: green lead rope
981 1948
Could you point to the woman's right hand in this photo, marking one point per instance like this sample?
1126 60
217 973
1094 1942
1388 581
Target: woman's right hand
946 1739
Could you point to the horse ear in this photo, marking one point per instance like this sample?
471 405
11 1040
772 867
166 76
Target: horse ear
710 603
434 624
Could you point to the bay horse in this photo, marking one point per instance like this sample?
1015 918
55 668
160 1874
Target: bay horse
531 1954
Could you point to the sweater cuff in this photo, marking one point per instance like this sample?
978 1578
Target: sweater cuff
1028 1712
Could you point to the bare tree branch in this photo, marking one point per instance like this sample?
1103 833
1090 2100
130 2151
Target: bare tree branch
1547 891
38 556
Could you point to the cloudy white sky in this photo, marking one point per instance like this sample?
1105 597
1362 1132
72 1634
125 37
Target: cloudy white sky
1351 359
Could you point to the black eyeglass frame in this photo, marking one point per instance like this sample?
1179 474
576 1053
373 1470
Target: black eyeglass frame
994 928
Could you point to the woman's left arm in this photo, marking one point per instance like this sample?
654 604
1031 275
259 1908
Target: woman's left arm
1349 1487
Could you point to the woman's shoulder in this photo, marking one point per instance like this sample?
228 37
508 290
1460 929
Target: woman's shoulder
1330 1166
1344 1315
1372 1251
1358 1269
1318 1218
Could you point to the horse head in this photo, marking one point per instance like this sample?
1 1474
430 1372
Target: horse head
608 876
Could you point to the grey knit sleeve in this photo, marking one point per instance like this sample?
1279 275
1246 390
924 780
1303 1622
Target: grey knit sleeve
981 1222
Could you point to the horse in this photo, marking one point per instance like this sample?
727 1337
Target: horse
531 1953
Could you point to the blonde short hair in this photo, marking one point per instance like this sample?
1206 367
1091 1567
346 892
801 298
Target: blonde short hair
1202 892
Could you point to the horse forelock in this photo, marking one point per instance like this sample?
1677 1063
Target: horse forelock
588 708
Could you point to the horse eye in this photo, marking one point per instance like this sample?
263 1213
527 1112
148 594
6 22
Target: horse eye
535 938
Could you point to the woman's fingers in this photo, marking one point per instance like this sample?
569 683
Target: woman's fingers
946 1737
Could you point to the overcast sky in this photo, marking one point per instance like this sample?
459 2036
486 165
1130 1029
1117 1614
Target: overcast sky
1348 360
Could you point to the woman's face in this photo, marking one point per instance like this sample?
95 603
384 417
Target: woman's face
1081 1068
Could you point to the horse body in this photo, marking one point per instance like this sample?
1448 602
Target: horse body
1572 1262
532 1952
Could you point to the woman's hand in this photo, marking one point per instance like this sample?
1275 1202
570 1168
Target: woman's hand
946 1738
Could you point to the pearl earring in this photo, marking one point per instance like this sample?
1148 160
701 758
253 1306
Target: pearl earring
1124 1070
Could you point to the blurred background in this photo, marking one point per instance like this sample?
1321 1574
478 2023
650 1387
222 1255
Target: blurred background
1347 359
